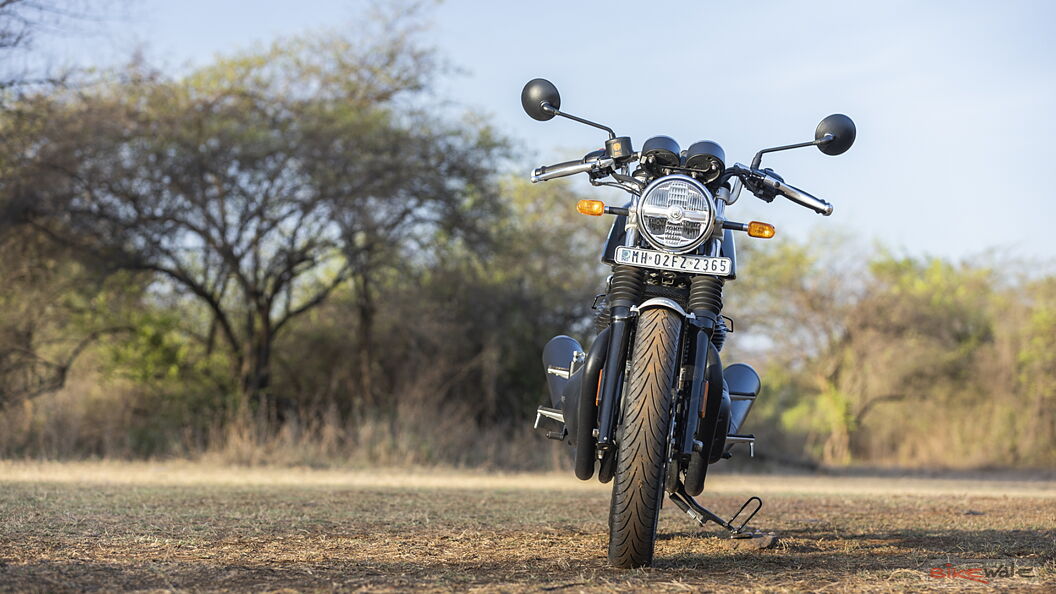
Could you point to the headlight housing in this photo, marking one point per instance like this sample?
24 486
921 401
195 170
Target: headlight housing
676 213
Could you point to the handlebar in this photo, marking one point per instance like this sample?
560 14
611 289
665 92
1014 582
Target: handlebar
796 195
767 185
804 199
763 183
557 170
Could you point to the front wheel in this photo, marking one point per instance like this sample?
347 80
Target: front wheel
638 489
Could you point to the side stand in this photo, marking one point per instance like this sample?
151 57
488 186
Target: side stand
703 515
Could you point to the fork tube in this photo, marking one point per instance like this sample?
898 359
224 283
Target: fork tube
625 292
705 301
691 413
614 367
704 398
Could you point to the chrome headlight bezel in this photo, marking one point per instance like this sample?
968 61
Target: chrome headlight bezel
706 220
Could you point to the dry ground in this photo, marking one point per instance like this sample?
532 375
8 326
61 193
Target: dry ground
179 526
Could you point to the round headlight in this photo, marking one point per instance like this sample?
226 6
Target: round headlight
676 213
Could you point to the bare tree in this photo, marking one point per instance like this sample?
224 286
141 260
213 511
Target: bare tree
257 186
21 24
46 313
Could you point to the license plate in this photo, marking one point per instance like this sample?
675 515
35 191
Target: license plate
663 261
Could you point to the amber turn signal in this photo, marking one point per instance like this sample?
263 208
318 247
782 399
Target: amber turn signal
594 208
762 230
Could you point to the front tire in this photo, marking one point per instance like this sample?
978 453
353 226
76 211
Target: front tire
638 490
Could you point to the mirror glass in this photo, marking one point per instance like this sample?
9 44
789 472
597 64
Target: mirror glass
537 92
842 130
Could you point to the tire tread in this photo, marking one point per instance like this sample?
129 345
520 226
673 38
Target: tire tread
638 487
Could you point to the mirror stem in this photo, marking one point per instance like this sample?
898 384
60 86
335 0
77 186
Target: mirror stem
759 156
551 109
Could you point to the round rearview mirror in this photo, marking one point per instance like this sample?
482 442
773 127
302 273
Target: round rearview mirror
842 130
539 92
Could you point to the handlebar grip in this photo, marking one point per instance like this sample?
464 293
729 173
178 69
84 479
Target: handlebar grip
766 185
804 199
561 170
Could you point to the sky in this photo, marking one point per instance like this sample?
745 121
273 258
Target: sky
953 101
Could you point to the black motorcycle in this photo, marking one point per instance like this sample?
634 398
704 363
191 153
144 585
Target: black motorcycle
649 406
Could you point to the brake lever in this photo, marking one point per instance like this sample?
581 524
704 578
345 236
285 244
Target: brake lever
764 184
752 180
771 185
768 184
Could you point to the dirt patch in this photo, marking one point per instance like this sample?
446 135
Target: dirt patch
182 527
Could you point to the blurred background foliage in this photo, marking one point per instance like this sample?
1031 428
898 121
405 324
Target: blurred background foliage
292 256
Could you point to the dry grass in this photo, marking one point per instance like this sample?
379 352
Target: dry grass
180 526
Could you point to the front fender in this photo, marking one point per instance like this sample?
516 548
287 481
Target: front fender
665 303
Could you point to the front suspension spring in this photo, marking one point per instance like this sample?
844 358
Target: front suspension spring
626 286
705 297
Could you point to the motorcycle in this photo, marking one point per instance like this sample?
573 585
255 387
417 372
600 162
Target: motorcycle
649 406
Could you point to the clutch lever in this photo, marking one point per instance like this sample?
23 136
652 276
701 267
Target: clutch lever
567 168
